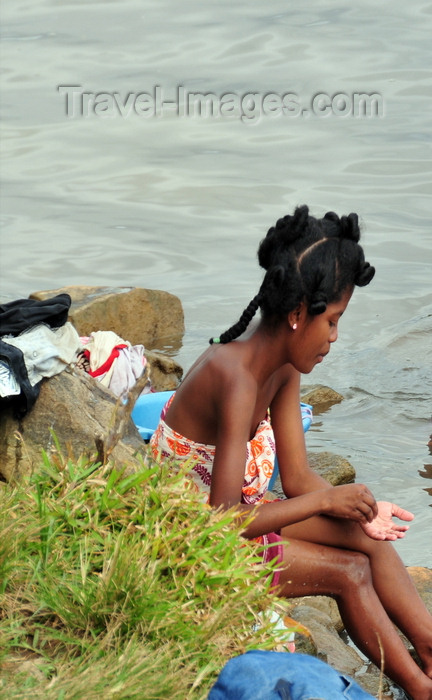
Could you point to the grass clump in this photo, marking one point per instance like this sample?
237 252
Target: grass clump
120 585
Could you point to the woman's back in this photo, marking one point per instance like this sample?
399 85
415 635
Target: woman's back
236 378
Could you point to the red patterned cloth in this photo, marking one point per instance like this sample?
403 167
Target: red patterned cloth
259 458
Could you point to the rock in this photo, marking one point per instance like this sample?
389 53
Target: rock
330 647
321 398
75 406
165 373
422 578
324 604
334 469
306 644
149 317
78 409
377 686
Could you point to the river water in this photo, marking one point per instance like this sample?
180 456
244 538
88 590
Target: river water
129 184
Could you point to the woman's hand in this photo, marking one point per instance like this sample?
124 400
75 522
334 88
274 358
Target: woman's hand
350 501
382 526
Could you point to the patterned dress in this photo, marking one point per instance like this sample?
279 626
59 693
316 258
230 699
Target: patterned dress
259 458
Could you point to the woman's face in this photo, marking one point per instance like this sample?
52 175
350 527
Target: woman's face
314 335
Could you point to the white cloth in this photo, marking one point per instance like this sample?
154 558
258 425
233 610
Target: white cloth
46 352
124 370
127 368
100 346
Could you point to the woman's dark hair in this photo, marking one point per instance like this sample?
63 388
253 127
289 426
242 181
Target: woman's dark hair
306 259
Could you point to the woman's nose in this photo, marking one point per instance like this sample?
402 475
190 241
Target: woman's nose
333 334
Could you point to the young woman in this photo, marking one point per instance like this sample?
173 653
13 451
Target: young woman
239 405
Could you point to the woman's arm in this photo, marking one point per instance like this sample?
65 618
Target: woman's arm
236 404
296 475
350 501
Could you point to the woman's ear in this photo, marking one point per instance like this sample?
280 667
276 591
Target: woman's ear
295 316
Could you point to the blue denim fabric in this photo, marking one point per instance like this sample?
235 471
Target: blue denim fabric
274 675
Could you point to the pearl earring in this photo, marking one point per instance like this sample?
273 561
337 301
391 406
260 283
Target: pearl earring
294 326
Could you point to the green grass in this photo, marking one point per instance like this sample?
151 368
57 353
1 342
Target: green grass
118 585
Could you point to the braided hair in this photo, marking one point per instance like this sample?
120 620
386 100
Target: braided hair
305 259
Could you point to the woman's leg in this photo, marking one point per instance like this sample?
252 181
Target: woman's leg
312 569
390 578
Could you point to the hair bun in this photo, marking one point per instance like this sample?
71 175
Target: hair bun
276 275
349 227
318 304
279 237
345 226
365 275
266 249
299 221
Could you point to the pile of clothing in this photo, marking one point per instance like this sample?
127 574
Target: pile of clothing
37 341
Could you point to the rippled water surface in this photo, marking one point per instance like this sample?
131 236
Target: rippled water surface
180 202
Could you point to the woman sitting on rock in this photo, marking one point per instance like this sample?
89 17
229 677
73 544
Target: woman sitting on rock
330 540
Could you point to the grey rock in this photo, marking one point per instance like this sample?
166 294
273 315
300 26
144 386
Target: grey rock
330 647
79 410
323 604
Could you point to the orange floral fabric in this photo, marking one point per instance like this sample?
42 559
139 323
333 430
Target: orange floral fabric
259 458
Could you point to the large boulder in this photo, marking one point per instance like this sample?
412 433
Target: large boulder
79 411
148 317
333 468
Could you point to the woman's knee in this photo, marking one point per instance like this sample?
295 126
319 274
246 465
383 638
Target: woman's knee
357 570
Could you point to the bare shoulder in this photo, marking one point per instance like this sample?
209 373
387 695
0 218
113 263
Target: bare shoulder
229 381
218 367
217 388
